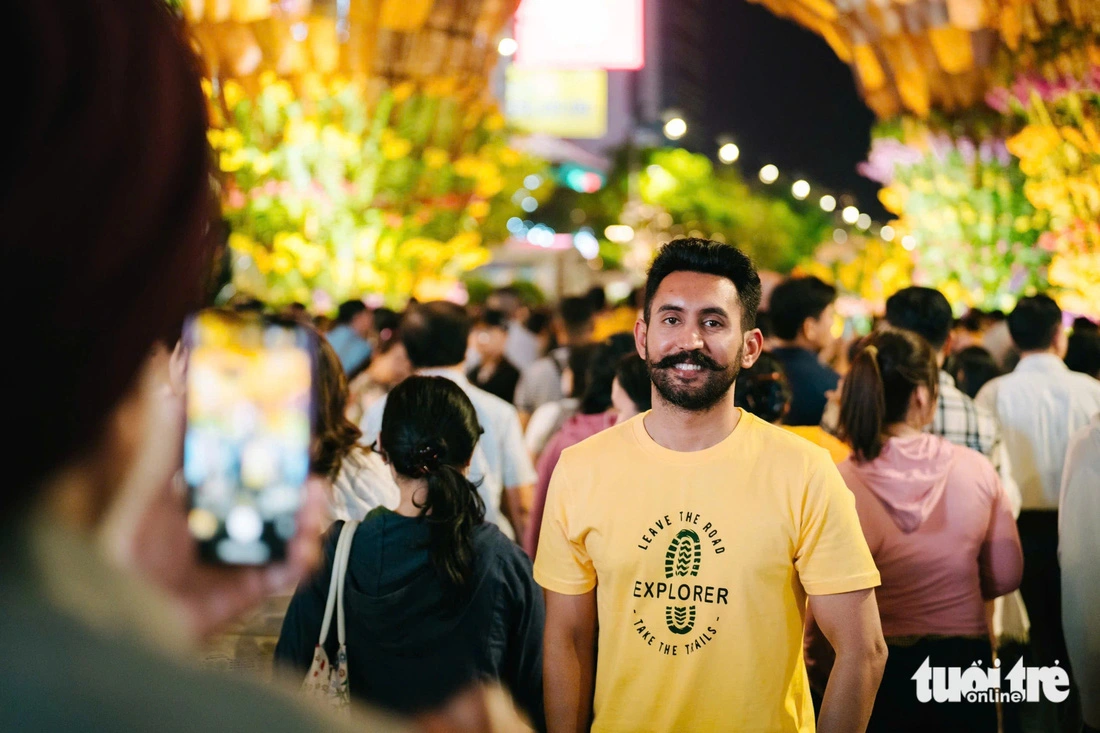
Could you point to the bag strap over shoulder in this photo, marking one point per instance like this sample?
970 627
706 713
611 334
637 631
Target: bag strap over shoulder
336 583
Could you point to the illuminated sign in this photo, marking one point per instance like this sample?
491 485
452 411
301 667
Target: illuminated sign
569 104
580 34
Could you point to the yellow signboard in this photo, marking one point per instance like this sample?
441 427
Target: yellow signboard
562 103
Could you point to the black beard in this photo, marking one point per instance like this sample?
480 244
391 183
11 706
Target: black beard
694 399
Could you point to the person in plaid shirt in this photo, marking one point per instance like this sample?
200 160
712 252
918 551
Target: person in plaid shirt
926 312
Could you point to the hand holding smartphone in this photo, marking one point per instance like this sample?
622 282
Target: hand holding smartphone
246 448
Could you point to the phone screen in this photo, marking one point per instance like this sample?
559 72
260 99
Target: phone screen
246 449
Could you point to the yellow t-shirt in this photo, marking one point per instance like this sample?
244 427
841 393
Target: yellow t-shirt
838 450
703 561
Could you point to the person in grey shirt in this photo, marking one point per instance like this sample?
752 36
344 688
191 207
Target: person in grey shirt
540 382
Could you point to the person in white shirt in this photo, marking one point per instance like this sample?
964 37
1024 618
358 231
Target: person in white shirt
435 335
1039 406
359 479
1078 552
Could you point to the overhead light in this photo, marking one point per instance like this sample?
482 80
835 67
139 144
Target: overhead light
507 47
850 215
769 174
676 128
800 189
619 233
909 242
887 233
729 153
529 204
828 203
864 221
840 236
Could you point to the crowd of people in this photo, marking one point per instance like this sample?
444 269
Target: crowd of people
954 461
699 511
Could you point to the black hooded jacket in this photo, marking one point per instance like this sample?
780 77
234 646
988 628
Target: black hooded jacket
410 644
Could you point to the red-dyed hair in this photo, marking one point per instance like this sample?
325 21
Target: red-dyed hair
107 212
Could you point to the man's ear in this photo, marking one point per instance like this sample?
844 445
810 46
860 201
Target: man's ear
808 329
752 347
641 330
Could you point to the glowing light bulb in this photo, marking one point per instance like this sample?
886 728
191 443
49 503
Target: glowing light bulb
729 153
675 128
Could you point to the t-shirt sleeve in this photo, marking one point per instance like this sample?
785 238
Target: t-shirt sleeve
371 424
1001 558
831 554
518 470
562 563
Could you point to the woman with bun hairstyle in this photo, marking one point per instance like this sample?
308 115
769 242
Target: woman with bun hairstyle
940 528
763 390
436 599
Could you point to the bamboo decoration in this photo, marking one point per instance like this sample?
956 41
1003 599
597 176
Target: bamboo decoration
918 55
389 40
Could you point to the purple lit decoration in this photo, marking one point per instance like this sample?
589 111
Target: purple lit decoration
887 154
966 149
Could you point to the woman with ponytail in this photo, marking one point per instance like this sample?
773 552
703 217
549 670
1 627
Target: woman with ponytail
435 598
939 525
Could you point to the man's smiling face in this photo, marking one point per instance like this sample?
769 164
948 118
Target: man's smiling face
693 342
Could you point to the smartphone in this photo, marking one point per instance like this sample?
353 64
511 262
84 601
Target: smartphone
246 450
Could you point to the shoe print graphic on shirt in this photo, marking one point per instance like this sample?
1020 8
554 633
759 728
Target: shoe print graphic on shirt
682 559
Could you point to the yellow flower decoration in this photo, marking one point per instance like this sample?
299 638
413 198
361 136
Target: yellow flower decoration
233 93
489 186
433 288
464 240
403 91
467 166
281 263
435 158
300 132
241 243
892 199
232 139
262 165
232 161
281 93
478 209
396 149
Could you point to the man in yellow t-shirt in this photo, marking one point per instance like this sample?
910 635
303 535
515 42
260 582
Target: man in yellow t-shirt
690 537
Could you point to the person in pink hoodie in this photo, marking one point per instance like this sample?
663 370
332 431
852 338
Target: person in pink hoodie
939 525
596 414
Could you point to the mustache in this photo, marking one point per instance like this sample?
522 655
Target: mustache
689 357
